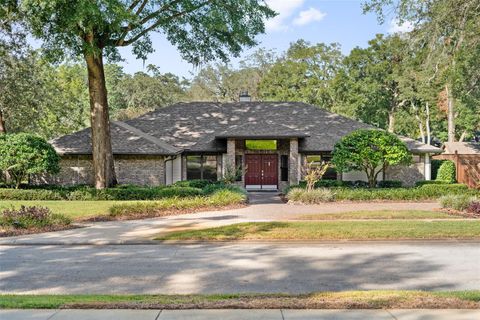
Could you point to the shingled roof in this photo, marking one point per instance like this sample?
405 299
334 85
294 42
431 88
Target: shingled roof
204 127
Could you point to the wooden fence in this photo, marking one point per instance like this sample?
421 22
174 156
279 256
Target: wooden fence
467 167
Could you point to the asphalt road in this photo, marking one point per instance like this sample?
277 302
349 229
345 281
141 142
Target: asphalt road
240 267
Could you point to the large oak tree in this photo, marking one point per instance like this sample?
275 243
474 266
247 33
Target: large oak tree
202 30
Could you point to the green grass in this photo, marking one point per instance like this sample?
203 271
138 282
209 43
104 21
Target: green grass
380 214
73 209
374 299
335 230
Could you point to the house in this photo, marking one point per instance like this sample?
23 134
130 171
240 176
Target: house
269 141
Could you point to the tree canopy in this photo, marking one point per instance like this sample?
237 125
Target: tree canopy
24 154
370 151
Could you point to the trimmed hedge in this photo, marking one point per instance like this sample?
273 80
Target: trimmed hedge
88 193
431 191
447 172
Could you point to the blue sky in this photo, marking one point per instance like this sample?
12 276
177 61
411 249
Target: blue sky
316 21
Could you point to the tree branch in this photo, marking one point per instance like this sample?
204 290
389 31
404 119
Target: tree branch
158 23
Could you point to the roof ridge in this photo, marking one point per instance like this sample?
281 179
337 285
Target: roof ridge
148 137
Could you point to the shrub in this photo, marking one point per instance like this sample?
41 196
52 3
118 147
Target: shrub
212 188
24 154
457 202
474 207
446 172
428 182
389 184
29 194
435 166
32 217
314 196
198 183
218 198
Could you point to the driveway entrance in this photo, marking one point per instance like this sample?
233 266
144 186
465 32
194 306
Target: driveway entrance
262 171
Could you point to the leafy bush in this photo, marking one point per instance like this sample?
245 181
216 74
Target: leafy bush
389 184
314 196
88 193
30 194
426 192
32 217
446 172
428 182
435 166
197 183
217 199
458 202
474 207
24 154
212 188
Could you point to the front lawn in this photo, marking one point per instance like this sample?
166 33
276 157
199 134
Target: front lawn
376 299
335 230
380 214
77 210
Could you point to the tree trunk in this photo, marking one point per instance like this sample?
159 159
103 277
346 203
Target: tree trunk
427 123
3 130
450 115
391 121
103 164
462 137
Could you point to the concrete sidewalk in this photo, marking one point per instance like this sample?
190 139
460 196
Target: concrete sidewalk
142 231
239 314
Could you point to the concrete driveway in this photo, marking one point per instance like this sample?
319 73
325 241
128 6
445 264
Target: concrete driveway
263 207
239 267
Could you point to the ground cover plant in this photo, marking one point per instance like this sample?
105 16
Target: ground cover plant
335 230
462 204
33 218
372 299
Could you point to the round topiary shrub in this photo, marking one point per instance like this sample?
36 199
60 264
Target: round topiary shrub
446 172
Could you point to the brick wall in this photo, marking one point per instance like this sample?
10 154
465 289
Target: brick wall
139 170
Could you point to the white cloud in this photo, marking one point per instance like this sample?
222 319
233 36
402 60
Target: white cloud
397 27
308 16
284 10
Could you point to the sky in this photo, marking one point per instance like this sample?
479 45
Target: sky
316 21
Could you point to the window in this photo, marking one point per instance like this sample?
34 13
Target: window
316 160
261 144
239 166
202 167
284 168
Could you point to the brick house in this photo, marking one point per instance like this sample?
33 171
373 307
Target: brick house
270 141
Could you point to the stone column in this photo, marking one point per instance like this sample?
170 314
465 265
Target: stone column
230 158
427 167
293 163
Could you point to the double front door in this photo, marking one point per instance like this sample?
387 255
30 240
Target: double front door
262 171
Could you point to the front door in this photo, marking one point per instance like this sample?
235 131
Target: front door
262 171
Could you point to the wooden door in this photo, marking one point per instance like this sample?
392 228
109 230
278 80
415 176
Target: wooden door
262 169
253 176
270 169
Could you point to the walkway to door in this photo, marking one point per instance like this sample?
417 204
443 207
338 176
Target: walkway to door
266 197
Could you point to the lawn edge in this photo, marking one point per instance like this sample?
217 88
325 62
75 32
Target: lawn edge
375 299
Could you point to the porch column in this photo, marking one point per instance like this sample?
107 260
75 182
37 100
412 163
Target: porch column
427 167
230 158
293 164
